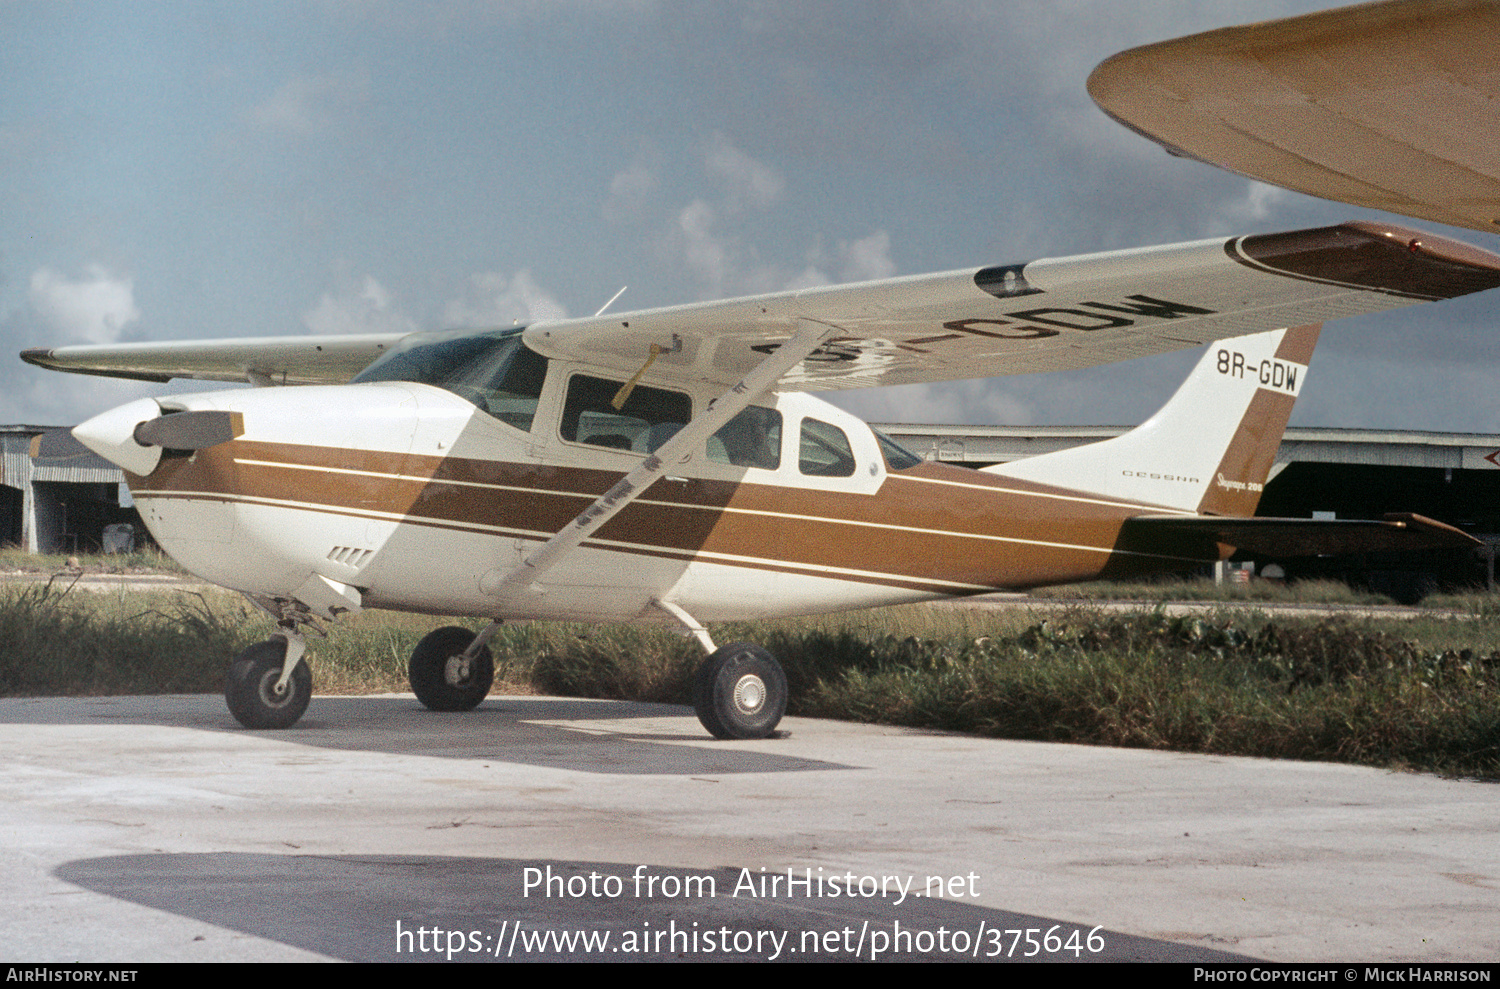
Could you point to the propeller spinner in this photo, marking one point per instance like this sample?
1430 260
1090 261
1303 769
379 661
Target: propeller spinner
135 434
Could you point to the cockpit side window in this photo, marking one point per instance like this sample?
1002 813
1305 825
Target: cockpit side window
750 439
897 457
495 371
825 450
646 420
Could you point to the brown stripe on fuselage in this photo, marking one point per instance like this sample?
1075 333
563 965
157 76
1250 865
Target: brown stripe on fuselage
933 524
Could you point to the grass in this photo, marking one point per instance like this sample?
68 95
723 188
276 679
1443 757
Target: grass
1233 683
1204 589
1480 604
1422 693
55 641
14 560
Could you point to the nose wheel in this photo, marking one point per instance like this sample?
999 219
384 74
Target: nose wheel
740 692
254 692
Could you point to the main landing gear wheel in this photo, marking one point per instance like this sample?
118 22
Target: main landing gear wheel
250 688
740 692
440 676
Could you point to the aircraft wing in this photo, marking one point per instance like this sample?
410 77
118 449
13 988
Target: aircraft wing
1199 535
304 360
1389 105
1048 315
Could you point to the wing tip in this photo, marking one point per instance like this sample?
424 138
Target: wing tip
1382 257
40 356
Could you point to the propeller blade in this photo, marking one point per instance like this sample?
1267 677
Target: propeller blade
57 444
190 430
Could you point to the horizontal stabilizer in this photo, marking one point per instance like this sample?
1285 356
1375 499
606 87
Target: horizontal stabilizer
1200 536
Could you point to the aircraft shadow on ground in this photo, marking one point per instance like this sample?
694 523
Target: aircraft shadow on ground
556 733
424 908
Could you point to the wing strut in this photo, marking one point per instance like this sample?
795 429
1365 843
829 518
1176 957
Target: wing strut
809 336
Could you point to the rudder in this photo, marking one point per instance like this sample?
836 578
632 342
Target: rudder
1211 447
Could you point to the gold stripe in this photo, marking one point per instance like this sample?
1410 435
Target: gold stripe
995 489
1133 505
660 550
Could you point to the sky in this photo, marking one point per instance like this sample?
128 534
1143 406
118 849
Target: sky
173 171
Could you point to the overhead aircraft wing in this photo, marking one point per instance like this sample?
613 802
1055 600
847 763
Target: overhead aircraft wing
306 360
1292 537
1390 105
1048 315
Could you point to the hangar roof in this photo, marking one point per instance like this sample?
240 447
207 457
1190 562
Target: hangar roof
1383 447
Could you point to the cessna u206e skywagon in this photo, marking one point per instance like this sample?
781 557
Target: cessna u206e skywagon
669 466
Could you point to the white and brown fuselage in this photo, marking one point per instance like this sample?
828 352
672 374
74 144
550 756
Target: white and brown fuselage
411 495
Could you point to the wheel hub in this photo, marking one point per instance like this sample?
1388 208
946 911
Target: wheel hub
749 694
456 671
270 695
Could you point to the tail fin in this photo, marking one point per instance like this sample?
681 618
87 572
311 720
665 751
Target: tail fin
1210 448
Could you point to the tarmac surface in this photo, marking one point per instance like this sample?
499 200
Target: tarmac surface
147 829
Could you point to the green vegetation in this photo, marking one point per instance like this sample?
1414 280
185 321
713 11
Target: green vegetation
54 642
1232 683
1204 589
14 560
1421 693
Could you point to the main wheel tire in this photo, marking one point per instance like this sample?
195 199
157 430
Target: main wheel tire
740 692
250 687
440 678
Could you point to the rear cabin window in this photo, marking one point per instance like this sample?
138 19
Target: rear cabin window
825 450
750 439
647 419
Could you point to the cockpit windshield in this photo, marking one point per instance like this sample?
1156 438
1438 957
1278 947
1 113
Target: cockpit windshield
492 369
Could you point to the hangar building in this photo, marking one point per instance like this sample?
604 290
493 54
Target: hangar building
1318 473
56 506
64 505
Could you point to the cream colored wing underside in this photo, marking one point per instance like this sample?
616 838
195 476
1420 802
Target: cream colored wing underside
1393 105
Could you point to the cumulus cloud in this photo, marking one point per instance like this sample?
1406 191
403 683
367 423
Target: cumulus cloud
94 308
970 401
868 258
703 248
714 236
495 299
1259 203
306 104
749 184
46 398
364 306
630 193
863 260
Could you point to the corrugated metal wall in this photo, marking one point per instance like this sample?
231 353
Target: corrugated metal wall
41 523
